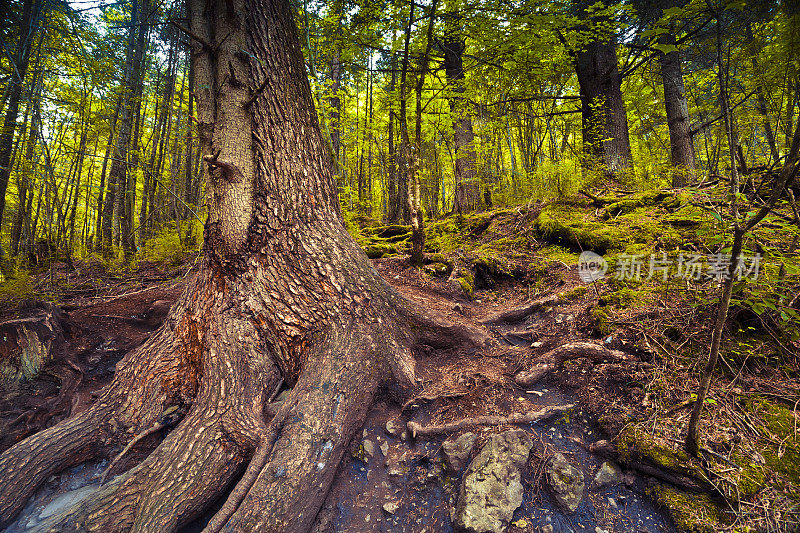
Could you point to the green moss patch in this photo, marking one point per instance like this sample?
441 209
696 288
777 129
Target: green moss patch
690 512
782 452
565 225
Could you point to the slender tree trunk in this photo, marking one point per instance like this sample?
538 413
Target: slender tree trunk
118 176
23 216
467 188
191 185
393 206
740 229
730 129
103 201
680 138
792 95
414 187
283 295
761 99
78 172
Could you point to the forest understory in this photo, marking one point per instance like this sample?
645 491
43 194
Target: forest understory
626 352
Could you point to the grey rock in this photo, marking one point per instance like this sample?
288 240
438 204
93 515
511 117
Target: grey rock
384 448
607 475
547 528
67 500
369 447
566 482
458 450
391 507
492 489
394 427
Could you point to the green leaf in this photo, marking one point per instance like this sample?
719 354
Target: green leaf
665 48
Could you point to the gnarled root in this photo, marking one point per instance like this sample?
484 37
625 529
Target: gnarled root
520 313
418 429
328 405
91 434
218 363
27 464
573 350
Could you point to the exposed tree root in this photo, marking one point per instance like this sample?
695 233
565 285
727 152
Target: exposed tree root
574 350
673 477
26 465
330 403
520 313
516 418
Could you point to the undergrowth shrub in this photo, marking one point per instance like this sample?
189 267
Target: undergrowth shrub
15 287
166 247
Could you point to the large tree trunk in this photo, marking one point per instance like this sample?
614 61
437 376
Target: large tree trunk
605 125
680 138
283 294
467 189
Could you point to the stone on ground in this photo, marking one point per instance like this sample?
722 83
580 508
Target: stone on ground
458 450
566 482
607 475
492 489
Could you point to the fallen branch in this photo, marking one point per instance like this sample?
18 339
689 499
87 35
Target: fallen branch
517 418
518 313
574 350
483 226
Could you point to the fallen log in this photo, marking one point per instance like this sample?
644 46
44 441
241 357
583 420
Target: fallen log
644 465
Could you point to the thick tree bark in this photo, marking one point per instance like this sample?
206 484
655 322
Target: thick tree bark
467 189
283 294
677 109
605 124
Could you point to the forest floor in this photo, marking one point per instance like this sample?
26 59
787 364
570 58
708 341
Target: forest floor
632 402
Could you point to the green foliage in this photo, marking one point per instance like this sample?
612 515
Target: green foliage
17 287
782 443
165 247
